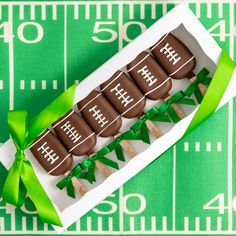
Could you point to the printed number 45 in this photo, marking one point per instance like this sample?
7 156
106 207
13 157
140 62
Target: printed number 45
218 203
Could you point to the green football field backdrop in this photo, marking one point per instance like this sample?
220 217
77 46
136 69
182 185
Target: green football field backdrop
45 46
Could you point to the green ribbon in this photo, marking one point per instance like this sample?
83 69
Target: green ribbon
140 126
67 181
193 88
115 144
179 98
128 135
90 163
215 92
21 178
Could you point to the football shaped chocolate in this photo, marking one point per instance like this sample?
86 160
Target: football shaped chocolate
149 76
51 154
75 133
100 114
174 56
124 95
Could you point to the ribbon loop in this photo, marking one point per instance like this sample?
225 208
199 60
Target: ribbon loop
21 177
67 181
193 88
100 156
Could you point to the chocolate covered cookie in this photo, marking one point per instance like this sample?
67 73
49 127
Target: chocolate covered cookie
51 154
149 76
75 133
124 95
100 114
152 80
177 60
174 56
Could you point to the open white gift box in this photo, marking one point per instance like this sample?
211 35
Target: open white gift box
184 25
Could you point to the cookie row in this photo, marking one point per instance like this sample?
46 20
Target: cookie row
123 95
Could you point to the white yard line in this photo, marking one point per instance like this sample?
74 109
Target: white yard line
11 59
1 85
43 12
54 12
76 12
0 12
230 131
209 10
174 190
21 12
120 37
121 213
65 47
230 166
32 12
109 11
219 146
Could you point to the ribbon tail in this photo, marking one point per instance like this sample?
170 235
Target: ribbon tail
81 175
119 153
69 187
14 191
144 133
173 115
198 95
186 101
44 206
161 118
206 81
109 162
90 175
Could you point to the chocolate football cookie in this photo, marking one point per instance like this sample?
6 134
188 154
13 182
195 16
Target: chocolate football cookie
177 60
174 56
124 95
75 133
51 154
103 118
149 76
152 80
100 114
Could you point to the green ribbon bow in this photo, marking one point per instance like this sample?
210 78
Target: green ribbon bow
115 144
154 115
179 98
67 181
128 135
21 178
90 163
193 88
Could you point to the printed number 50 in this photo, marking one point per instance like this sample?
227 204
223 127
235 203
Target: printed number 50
8 35
104 28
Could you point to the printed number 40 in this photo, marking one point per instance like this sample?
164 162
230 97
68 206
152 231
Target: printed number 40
8 35
218 203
